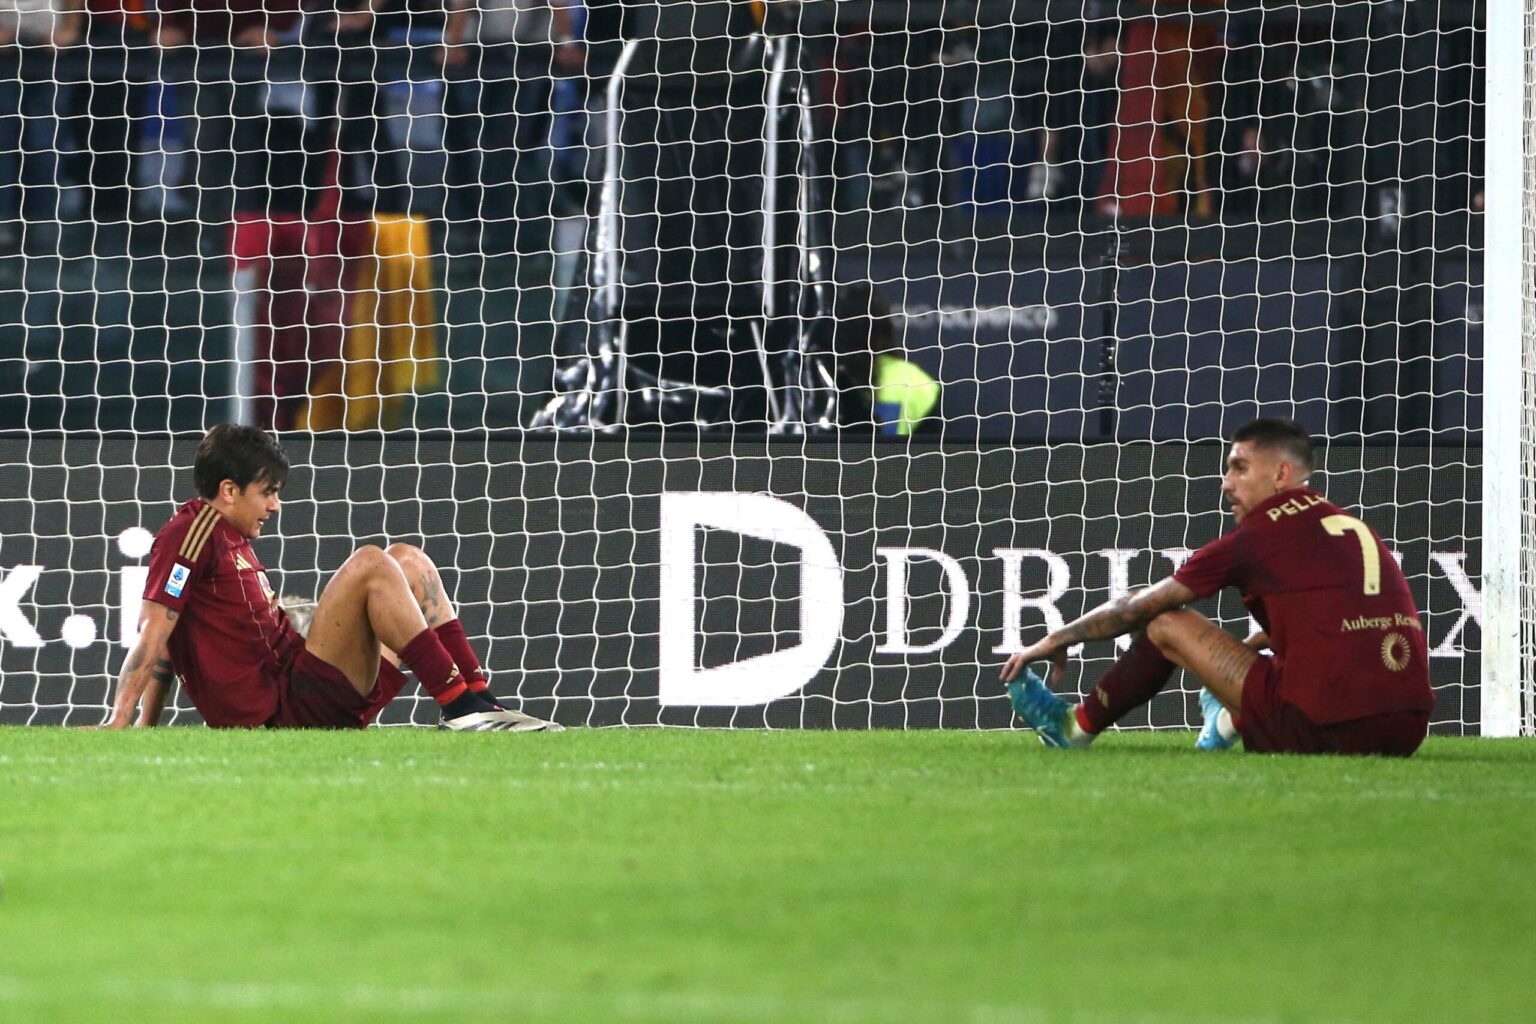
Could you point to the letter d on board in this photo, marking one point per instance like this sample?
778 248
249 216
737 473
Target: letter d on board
766 677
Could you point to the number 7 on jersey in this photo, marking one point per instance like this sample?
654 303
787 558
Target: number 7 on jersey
1370 554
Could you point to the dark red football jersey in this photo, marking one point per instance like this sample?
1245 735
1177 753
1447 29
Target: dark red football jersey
233 642
1342 624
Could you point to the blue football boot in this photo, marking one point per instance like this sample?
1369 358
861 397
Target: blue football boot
1042 710
1211 710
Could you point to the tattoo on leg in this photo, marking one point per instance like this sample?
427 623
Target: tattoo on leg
433 601
1229 662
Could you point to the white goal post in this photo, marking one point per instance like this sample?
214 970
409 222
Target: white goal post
1509 373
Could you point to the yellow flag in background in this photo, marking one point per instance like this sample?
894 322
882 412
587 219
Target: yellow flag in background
390 347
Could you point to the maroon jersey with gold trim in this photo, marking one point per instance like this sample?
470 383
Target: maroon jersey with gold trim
1342 624
233 642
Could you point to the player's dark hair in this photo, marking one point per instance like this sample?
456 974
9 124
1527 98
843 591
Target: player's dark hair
243 454
1280 435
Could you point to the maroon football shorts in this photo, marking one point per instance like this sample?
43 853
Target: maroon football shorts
317 695
1271 726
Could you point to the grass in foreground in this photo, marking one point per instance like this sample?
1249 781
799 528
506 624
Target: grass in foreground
187 875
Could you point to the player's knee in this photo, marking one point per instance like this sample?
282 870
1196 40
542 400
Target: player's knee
406 554
1165 630
370 560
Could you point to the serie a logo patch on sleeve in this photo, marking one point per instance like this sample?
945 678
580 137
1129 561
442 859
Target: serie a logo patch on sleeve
178 581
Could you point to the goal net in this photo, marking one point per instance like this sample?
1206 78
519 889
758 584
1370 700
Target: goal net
746 364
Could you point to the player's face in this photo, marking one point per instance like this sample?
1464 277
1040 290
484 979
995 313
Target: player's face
247 509
1253 475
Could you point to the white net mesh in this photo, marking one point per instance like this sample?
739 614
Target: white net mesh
959 298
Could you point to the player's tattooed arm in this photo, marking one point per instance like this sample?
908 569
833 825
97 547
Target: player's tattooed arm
145 680
1125 614
161 677
1258 641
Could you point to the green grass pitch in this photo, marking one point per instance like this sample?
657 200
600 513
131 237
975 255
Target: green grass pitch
679 876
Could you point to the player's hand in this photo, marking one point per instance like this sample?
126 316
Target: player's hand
1045 650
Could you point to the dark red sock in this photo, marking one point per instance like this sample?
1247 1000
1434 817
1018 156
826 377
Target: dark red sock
1129 683
452 634
433 665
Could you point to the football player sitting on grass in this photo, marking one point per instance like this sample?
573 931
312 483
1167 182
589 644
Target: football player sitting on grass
211 617
1349 673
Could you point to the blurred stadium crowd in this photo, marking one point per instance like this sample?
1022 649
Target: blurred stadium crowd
112 110
471 127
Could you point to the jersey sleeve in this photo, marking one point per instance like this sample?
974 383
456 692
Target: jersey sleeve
179 558
1212 567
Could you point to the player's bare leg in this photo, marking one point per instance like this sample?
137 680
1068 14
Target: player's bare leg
1172 640
1196 644
370 607
1218 660
366 605
432 597
426 584
437 609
